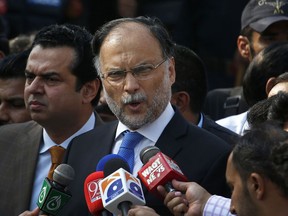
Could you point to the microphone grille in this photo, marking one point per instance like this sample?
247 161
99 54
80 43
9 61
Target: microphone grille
63 174
147 153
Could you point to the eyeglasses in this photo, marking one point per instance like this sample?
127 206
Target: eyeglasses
142 72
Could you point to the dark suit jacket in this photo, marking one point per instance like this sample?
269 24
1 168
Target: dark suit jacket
219 131
19 147
201 156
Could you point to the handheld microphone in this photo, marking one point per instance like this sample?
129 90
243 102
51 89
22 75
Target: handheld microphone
91 187
120 189
158 169
54 194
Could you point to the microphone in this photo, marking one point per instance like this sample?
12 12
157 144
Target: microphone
54 194
91 187
158 169
120 189
92 194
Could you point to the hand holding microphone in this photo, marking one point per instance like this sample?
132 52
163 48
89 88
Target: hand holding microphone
54 194
158 169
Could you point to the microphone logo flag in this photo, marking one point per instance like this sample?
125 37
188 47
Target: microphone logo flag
159 170
50 199
93 190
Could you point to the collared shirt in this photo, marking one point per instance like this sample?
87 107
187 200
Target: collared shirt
200 123
217 206
236 123
151 133
44 159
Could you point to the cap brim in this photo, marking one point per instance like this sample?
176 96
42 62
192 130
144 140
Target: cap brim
264 23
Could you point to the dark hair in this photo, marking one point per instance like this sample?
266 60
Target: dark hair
21 42
4 42
13 65
247 32
256 152
258 113
190 77
80 40
155 26
278 109
270 62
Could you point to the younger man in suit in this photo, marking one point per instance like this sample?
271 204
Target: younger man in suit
60 91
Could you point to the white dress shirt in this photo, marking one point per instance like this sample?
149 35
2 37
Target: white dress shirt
151 133
237 123
44 159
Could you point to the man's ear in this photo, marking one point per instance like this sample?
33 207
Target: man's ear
181 100
270 84
256 186
90 90
244 47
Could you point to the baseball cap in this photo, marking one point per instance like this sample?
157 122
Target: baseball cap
259 14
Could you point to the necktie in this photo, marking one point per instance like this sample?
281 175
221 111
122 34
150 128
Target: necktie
57 154
130 140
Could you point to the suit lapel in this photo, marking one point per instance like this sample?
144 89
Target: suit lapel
174 131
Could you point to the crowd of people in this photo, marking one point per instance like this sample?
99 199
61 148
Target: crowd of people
84 93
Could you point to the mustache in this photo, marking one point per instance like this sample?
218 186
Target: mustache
134 98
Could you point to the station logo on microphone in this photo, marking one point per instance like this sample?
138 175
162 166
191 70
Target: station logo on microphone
119 183
93 190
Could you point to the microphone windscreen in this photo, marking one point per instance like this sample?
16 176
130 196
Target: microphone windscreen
147 153
114 164
101 164
63 174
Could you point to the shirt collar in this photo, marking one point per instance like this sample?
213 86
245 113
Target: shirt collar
152 130
200 123
48 142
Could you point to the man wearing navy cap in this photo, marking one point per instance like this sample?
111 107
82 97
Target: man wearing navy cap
263 22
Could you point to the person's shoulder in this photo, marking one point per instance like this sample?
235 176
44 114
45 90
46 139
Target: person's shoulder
26 126
206 138
234 123
220 131
234 119
99 129
97 134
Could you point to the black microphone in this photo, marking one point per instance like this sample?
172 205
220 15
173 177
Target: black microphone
54 194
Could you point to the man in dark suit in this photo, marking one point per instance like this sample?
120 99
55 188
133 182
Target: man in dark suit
134 58
189 92
60 91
